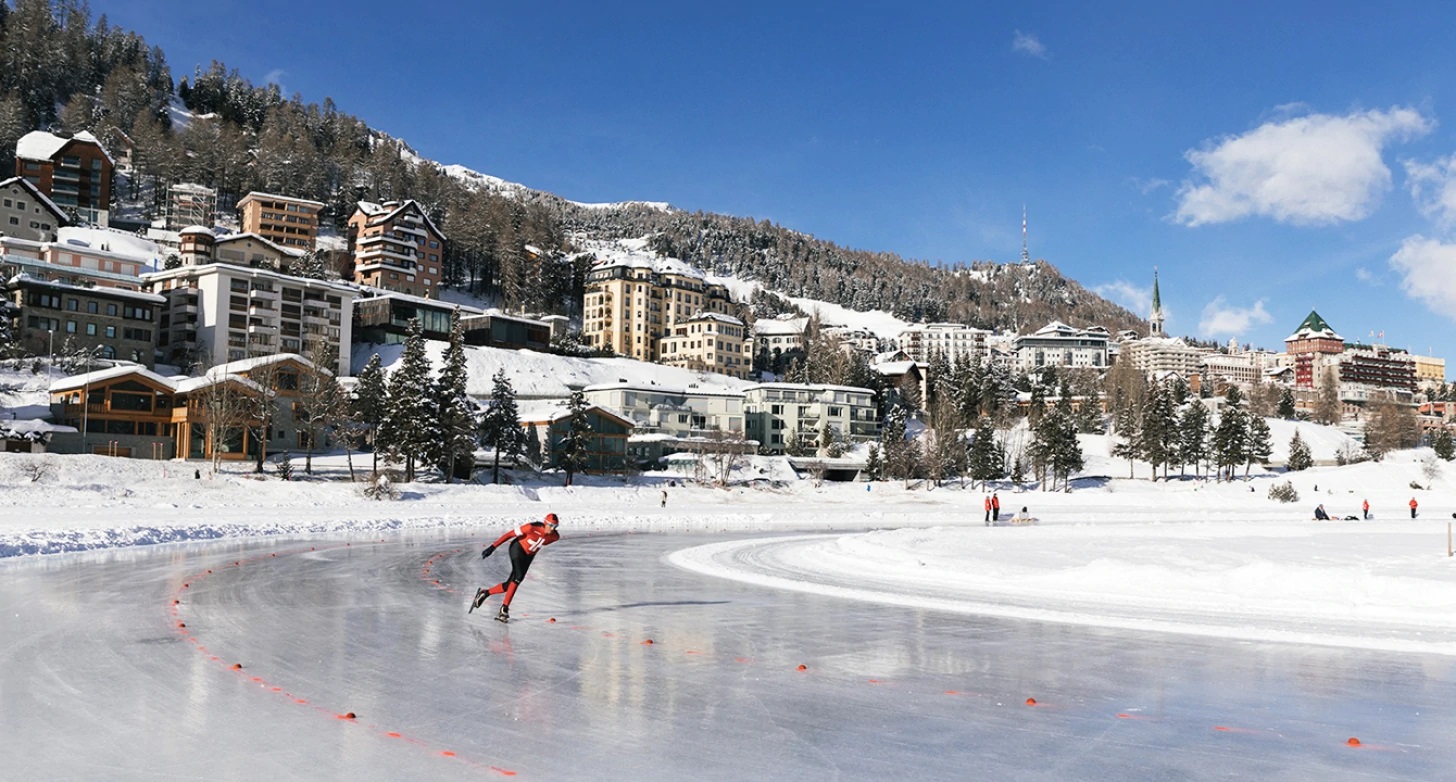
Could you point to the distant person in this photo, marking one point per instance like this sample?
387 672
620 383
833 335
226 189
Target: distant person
995 507
1413 507
1022 516
987 502
664 498
1320 514
526 540
1365 507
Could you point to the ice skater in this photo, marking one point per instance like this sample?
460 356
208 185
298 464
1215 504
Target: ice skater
995 507
526 540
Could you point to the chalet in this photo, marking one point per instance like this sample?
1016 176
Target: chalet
550 422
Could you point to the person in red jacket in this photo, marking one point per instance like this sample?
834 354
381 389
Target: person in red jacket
1413 507
526 540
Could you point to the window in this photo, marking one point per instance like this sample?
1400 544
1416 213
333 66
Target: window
111 332
90 329
70 327
92 307
111 310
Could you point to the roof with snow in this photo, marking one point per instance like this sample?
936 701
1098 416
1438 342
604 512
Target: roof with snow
256 194
548 411
380 213
715 316
41 198
40 145
636 255
773 326
245 365
111 373
290 253
1313 327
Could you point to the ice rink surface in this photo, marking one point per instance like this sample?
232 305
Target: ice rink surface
353 658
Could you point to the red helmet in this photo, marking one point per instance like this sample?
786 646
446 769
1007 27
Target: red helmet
552 520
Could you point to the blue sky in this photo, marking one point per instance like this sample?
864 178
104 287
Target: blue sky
1269 159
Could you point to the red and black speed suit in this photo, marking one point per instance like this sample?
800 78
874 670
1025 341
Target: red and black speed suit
525 541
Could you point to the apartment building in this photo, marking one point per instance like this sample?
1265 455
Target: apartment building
75 263
221 312
397 247
954 341
1059 345
61 317
283 220
75 172
679 412
27 213
190 204
1160 356
775 412
709 342
632 301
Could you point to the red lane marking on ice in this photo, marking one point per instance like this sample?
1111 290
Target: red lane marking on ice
1126 716
174 610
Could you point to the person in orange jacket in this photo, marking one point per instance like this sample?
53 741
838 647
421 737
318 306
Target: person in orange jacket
1365 506
995 507
987 501
1413 507
525 540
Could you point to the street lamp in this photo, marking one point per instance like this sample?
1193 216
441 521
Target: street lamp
51 354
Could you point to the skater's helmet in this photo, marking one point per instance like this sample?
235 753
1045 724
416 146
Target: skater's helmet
552 521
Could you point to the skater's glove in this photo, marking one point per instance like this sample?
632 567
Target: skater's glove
488 551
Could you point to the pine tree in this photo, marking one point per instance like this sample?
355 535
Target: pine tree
1299 456
1158 432
1286 405
1193 435
500 426
455 421
371 401
1261 444
571 456
873 466
409 429
986 458
1443 444
1231 437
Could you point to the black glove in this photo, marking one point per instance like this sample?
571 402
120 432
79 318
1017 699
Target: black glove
488 551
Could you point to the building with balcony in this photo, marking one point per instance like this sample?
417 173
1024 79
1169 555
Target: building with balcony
1161 356
52 318
190 204
1059 345
129 411
219 312
283 220
383 317
397 247
954 341
775 413
27 213
633 300
75 172
71 262
709 342
669 420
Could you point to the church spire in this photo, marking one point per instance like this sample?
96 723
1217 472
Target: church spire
1155 318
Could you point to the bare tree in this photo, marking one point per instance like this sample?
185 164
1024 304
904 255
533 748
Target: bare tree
225 406
323 406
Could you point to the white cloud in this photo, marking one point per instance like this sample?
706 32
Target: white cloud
275 76
1148 186
1433 187
1139 300
1428 273
1220 319
1026 43
1365 276
1310 170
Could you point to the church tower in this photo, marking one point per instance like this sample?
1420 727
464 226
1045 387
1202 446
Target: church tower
1155 318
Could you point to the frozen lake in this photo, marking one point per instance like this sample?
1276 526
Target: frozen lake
98 680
